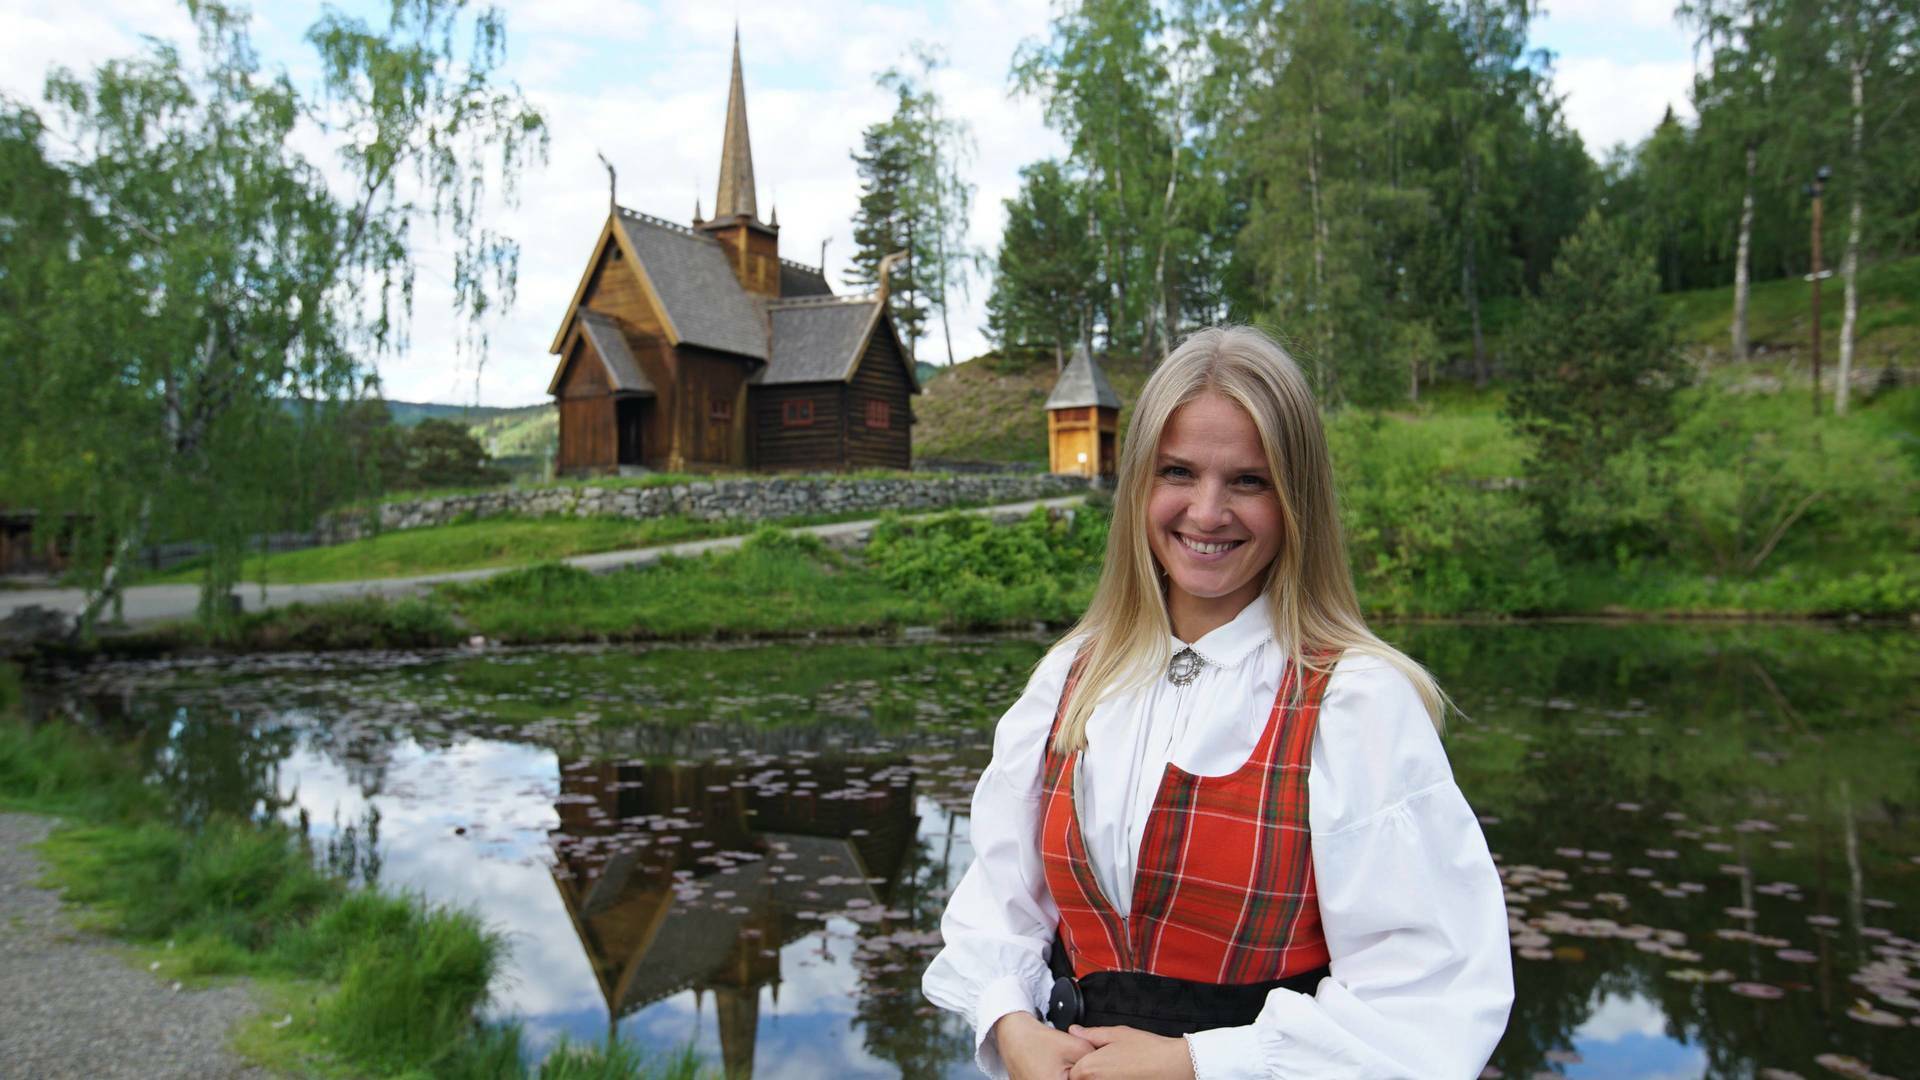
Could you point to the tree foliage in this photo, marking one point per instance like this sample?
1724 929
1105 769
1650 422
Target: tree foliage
1595 377
196 301
915 198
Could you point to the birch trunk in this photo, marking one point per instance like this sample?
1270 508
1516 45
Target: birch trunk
1742 261
1163 305
1850 265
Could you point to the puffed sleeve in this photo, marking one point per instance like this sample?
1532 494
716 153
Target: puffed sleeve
1410 901
1000 921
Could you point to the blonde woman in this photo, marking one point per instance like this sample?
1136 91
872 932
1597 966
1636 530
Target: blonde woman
1219 837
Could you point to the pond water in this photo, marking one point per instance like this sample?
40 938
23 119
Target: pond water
1705 832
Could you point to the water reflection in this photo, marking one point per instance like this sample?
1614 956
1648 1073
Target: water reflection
694 877
1704 832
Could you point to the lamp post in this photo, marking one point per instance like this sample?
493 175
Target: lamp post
1817 189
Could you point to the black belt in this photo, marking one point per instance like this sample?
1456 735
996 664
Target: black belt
1158 1003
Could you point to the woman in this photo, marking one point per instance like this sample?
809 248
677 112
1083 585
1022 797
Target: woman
1218 836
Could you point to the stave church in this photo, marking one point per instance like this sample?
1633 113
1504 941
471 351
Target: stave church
698 348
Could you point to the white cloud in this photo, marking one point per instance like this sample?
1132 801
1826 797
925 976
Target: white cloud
1644 14
1618 1017
1610 101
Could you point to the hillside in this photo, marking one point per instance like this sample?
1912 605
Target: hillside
989 409
409 413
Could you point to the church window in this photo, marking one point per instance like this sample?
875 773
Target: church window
719 410
879 414
796 413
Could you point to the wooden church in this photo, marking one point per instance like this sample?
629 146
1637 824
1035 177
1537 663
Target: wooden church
699 348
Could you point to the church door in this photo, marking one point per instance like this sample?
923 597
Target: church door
627 413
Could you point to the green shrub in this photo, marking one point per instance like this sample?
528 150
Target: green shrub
983 574
1424 539
1757 482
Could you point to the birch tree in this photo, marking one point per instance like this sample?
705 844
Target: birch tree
247 293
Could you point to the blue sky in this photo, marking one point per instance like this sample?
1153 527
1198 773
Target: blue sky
644 81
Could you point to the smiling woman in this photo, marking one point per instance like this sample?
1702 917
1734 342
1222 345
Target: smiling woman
1218 836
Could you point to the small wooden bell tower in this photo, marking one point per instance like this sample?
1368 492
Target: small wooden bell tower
1083 420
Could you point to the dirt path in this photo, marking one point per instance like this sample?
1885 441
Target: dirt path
71 1006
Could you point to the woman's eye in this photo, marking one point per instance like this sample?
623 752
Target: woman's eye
1251 481
1174 472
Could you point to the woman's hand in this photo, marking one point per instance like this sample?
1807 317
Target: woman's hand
1032 1050
1124 1053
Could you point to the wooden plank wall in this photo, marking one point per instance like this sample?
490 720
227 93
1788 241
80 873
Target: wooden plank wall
616 291
814 446
588 439
880 376
704 376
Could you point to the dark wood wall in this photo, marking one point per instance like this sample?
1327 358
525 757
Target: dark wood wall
880 377
706 377
810 446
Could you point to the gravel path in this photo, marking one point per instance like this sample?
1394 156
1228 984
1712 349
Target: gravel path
70 1006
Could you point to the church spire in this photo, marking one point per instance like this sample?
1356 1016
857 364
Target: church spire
736 152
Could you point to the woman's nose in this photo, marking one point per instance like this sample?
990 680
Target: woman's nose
1210 508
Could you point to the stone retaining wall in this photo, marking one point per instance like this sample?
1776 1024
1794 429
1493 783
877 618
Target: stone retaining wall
732 499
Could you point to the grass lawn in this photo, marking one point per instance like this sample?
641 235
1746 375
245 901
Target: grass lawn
471 545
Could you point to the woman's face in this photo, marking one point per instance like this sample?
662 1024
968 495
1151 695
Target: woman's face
1213 515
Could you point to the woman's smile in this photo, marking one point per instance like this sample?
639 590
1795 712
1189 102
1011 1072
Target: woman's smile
1207 550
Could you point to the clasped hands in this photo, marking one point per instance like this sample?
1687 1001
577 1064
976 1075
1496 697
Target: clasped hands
1032 1050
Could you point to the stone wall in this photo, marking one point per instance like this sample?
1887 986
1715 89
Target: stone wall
753 499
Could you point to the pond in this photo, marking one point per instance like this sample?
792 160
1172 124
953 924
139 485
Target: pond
1704 831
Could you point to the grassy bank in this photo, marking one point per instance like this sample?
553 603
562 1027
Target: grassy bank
376 984
1422 549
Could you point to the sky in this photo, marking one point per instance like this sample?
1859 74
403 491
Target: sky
644 82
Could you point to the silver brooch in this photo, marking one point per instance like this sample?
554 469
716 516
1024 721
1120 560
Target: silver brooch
1185 667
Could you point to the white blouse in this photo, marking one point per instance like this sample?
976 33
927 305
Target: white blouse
1412 908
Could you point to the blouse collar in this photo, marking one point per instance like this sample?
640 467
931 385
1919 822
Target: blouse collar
1225 646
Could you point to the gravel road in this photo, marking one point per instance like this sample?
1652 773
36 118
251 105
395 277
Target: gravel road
71 1006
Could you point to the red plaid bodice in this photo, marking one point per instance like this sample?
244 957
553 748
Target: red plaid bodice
1223 891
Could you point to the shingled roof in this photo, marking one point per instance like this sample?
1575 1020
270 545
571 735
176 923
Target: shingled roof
689 273
1082 384
799 279
817 340
623 372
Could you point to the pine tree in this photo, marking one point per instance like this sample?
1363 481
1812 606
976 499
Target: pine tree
1046 272
883 225
1596 369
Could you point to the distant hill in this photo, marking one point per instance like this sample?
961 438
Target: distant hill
409 413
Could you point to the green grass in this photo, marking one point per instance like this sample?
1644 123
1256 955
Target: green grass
775 584
1779 312
379 984
469 545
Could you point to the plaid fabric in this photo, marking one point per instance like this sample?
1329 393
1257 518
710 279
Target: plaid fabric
1224 890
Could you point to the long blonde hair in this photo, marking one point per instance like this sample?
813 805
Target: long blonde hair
1309 588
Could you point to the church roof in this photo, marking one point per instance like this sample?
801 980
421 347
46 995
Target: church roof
689 273
799 279
817 340
1082 384
623 372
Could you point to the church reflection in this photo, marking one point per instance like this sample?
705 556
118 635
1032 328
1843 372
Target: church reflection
693 876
